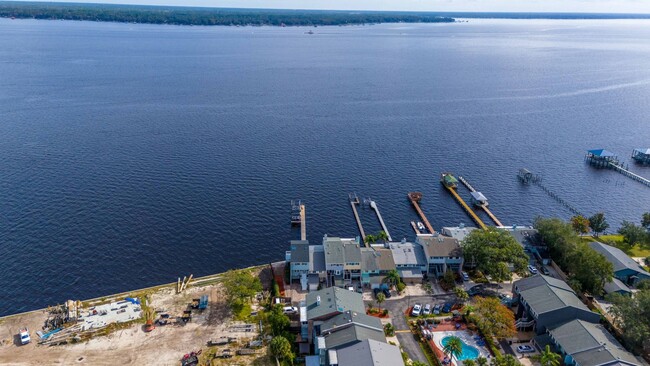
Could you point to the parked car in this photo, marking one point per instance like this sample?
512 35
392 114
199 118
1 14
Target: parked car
387 293
427 309
545 271
532 269
417 308
525 349
506 300
436 309
465 276
447 307
24 336
290 310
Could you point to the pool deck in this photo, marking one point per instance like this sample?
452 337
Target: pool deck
465 335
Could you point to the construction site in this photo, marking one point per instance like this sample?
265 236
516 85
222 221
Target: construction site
184 323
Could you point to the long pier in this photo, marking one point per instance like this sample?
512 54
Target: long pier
354 201
629 174
373 205
469 211
484 207
303 223
415 197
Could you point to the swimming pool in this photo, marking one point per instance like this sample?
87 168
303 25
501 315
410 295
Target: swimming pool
469 352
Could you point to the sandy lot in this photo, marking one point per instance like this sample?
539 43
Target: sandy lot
165 345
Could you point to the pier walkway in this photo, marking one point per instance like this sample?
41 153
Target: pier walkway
469 211
415 197
354 201
373 205
484 207
303 223
629 174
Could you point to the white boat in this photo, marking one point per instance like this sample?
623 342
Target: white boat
420 226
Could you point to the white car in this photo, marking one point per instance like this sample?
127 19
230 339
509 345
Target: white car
525 349
427 309
290 310
417 308
532 269
24 336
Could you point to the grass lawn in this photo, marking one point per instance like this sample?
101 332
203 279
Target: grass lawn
617 240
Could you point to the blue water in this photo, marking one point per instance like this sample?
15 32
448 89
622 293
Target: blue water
134 154
469 352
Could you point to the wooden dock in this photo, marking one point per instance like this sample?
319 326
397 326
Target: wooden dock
354 201
469 211
415 228
629 174
484 207
373 205
415 197
303 223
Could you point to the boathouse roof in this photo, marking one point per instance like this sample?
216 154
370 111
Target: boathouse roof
602 153
642 151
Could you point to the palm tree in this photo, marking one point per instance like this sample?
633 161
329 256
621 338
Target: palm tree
370 239
469 363
482 361
380 298
382 236
454 347
548 357
392 277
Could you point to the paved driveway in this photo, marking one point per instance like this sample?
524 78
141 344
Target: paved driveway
397 308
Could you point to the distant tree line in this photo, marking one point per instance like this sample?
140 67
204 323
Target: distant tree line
206 16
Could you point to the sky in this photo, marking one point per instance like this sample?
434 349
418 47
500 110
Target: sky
573 6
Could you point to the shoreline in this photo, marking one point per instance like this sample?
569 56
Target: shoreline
200 281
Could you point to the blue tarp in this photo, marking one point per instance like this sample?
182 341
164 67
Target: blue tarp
133 301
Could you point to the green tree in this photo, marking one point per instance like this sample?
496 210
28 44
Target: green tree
590 268
461 294
598 223
558 236
281 348
469 363
507 360
240 286
380 299
278 320
488 248
580 224
482 361
632 234
632 315
493 318
643 285
501 273
453 348
448 280
392 277
389 330
548 357
382 236
645 221
419 363
370 239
